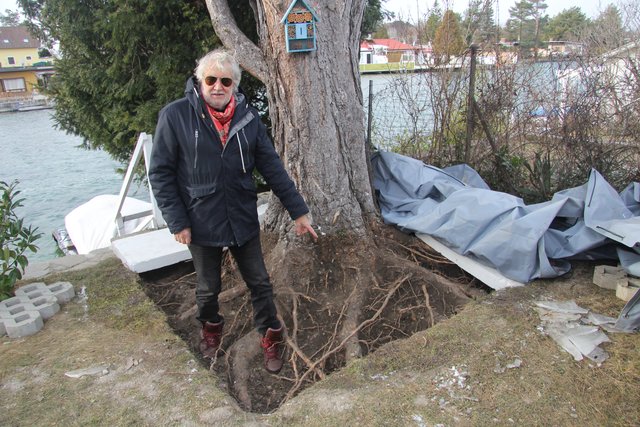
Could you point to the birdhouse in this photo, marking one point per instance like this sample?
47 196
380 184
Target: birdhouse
300 27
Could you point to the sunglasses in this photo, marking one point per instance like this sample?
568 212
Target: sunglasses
210 81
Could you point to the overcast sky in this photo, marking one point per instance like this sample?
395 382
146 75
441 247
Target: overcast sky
410 9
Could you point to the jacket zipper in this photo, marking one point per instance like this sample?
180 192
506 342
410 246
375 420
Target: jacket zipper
195 160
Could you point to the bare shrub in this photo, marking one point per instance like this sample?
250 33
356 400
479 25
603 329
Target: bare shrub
539 127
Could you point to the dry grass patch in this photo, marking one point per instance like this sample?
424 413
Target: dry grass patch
152 377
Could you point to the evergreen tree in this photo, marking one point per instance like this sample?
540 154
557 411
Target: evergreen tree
521 14
538 7
427 33
568 25
448 39
120 62
373 18
479 23
10 18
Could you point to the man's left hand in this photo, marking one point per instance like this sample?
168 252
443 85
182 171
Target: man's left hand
303 226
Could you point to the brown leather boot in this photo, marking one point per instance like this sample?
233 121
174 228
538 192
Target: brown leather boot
271 344
210 342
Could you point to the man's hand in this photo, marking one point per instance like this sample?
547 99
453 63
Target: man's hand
303 226
183 236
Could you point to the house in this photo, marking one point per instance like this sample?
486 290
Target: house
559 48
22 70
384 55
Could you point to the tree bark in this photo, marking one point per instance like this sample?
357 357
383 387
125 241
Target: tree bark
316 108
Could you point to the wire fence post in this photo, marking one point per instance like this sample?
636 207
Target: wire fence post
470 101
370 114
368 149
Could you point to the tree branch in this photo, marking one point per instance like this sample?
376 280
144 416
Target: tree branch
246 52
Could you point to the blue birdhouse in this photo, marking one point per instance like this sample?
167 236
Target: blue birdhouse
300 27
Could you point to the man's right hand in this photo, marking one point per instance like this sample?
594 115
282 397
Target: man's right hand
183 236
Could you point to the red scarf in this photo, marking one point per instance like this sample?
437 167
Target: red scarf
222 119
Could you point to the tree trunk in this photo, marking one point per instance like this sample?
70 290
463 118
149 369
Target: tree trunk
316 108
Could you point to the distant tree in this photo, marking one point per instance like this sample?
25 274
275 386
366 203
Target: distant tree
567 25
538 8
402 31
434 19
44 53
479 23
10 18
381 32
606 32
520 14
374 17
448 39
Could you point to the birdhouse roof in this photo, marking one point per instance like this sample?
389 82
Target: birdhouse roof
292 5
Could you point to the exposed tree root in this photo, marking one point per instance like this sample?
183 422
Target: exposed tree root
339 299
239 359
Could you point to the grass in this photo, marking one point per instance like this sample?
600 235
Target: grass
452 374
120 325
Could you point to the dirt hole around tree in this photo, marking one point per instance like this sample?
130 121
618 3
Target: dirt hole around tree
339 299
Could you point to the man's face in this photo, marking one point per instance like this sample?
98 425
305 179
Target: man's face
214 89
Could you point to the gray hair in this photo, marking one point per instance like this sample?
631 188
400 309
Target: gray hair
218 58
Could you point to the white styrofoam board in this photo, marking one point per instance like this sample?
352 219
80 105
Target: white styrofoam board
149 250
487 275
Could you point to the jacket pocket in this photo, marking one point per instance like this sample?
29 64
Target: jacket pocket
199 191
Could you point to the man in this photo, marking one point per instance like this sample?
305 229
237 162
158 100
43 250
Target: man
206 147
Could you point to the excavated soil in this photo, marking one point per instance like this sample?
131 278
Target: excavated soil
330 315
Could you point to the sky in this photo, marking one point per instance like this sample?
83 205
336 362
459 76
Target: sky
409 10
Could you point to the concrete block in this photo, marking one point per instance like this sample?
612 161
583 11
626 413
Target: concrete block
627 289
47 306
63 291
608 277
12 302
33 290
11 308
25 323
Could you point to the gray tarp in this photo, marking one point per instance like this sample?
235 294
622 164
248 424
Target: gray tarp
523 242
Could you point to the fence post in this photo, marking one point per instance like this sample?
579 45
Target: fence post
370 114
368 147
470 101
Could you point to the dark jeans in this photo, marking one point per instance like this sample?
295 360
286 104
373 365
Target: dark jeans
207 261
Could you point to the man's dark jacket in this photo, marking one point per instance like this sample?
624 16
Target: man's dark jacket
200 184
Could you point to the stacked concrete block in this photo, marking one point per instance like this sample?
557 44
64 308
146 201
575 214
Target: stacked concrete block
616 279
24 314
